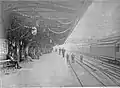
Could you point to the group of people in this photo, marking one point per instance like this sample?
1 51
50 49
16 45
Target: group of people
69 57
62 50
72 57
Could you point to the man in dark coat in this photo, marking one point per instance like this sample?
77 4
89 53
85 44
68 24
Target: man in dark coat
63 52
73 58
59 51
67 57
56 50
81 58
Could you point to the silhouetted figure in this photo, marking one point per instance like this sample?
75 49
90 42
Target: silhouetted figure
63 52
56 50
67 57
73 58
59 51
81 58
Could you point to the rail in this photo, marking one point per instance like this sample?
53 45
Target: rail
76 75
106 72
102 57
94 67
89 71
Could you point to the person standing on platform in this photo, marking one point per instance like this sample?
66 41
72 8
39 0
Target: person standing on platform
63 52
59 51
73 58
55 49
81 58
67 57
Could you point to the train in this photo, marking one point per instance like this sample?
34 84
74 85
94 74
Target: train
107 50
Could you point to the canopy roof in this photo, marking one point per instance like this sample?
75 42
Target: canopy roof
58 18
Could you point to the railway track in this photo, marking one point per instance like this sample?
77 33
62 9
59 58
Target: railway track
76 75
112 74
90 72
112 68
115 69
115 74
111 65
109 74
87 71
106 59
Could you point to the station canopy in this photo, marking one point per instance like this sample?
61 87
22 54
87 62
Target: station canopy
48 21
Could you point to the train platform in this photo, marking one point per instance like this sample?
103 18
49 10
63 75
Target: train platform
51 70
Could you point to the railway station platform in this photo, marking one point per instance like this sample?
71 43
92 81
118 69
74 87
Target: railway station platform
51 70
